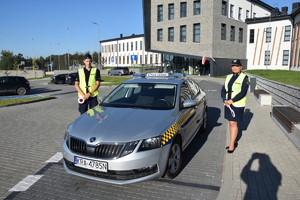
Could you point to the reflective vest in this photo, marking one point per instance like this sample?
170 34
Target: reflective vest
92 81
236 88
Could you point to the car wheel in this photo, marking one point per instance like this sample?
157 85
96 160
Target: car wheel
109 74
21 91
174 159
120 74
60 82
204 122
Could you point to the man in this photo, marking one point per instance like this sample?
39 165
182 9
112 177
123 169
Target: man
87 83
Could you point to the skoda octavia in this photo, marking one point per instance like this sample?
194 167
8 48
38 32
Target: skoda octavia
138 132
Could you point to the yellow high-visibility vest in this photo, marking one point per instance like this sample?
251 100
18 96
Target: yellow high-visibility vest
91 84
236 88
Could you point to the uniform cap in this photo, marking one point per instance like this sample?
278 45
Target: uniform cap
87 56
236 63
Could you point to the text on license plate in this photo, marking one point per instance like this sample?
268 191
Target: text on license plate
90 164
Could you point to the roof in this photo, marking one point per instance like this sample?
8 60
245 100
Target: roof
123 38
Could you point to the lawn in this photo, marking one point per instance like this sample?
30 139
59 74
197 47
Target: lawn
282 76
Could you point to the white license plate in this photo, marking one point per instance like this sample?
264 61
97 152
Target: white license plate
90 164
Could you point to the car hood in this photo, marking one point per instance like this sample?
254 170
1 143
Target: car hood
109 124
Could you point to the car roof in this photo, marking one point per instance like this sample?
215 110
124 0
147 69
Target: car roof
171 78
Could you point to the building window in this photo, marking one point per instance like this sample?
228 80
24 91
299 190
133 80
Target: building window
224 8
223 31
268 34
240 14
146 61
232 33
120 47
241 32
141 45
247 14
112 48
182 33
151 59
254 15
123 46
197 7
285 58
131 46
171 34
127 59
123 59
136 45
156 58
287 33
231 10
159 35
171 11
251 38
127 46
160 13
196 33
183 9
267 57
141 59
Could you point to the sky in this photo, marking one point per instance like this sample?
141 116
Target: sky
37 28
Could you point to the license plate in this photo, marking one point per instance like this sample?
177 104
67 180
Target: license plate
90 164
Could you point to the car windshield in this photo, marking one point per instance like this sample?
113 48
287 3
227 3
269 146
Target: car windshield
158 96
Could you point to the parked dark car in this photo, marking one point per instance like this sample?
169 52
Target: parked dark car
59 79
118 71
70 78
14 84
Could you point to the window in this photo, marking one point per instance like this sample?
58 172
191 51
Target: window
224 8
196 33
232 33
254 15
267 57
223 31
268 34
171 34
151 59
160 13
247 14
182 33
185 93
159 35
123 46
183 9
240 14
241 32
131 46
119 47
112 48
231 10
146 61
156 58
287 33
141 59
171 11
197 7
141 45
285 58
127 46
136 45
251 38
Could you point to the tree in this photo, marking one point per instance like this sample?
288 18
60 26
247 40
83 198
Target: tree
7 60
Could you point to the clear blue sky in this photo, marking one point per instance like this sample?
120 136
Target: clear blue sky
29 26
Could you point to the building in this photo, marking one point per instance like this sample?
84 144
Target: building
295 47
128 52
188 32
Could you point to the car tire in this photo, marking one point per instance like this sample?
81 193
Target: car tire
120 74
174 159
204 122
60 82
109 74
21 91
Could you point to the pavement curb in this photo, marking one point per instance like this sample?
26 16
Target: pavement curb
27 102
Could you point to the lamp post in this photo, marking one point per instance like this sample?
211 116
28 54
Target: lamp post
58 58
68 47
99 61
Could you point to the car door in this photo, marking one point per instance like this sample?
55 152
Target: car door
12 84
3 88
188 115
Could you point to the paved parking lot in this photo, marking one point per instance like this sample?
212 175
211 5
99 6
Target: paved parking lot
31 165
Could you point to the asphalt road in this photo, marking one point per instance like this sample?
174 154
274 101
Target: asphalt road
31 165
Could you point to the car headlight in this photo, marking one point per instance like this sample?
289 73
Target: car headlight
150 143
67 138
129 148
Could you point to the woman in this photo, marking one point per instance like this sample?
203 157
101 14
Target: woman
233 94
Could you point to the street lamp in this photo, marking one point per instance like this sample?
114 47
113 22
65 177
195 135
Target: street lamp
99 61
68 47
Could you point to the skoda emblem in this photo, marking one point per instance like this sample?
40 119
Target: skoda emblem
92 139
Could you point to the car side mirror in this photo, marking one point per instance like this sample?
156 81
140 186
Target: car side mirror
189 103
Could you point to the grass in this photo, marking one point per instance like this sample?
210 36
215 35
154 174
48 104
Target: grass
282 76
20 100
113 80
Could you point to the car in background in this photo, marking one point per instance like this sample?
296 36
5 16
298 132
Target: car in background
118 71
138 131
70 78
59 79
14 84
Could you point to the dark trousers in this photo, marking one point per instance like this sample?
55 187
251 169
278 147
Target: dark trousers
88 104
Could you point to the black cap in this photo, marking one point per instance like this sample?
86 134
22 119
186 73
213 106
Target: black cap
236 62
87 56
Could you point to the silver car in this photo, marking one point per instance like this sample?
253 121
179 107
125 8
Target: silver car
138 132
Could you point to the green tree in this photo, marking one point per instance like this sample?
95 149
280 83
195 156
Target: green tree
7 60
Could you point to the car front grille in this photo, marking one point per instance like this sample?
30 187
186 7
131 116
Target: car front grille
107 151
114 175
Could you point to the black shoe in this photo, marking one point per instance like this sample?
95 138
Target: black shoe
230 151
235 145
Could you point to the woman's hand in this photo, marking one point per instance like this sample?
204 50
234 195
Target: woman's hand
228 102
